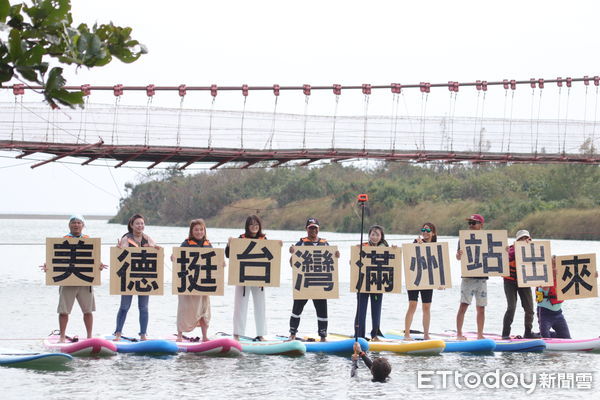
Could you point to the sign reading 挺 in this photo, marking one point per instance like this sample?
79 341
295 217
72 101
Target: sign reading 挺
198 271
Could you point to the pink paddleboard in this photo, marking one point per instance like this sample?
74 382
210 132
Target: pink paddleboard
220 347
82 347
555 344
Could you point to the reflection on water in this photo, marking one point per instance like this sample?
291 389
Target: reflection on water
29 312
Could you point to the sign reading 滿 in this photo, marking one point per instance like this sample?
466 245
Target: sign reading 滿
314 272
136 270
379 270
73 261
254 262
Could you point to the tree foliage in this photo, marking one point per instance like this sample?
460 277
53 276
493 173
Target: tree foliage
44 30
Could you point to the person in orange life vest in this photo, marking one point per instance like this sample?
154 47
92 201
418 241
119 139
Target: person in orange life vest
376 238
511 290
68 294
312 239
549 311
428 235
135 237
194 310
253 230
470 287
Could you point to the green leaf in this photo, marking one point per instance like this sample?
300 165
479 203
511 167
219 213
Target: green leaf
16 46
4 10
6 72
28 73
54 91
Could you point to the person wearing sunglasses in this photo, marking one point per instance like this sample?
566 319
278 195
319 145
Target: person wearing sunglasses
511 289
470 287
428 235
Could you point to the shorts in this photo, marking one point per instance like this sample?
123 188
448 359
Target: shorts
426 295
83 294
474 287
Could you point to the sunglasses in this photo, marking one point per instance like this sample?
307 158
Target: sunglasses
426 230
474 222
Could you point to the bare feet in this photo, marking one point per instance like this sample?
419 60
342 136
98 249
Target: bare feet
179 338
323 338
117 337
408 338
480 336
375 339
143 337
460 337
236 337
292 337
426 336
62 339
205 338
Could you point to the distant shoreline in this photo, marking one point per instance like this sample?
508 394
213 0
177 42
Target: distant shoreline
52 216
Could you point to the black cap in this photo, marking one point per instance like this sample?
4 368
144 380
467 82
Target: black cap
312 222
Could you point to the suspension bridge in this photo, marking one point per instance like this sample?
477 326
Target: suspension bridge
182 136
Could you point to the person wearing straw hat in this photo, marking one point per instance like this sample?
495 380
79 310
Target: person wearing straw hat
511 290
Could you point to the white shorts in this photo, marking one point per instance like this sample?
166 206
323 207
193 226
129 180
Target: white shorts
474 287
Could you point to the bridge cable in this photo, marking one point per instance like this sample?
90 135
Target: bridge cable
504 120
337 91
595 122
367 94
537 125
274 119
566 119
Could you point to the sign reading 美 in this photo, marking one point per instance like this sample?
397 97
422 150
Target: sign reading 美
73 261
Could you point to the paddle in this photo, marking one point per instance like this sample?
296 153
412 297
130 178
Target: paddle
362 200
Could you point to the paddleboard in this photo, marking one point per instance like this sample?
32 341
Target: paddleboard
20 358
270 346
514 345
556 344
152 346
452 346
219 347
83 347
332 345
412 347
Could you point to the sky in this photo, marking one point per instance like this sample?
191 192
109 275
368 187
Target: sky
314 42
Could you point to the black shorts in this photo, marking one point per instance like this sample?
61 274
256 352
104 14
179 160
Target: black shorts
426 295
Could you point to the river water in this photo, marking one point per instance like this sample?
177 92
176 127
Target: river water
28 313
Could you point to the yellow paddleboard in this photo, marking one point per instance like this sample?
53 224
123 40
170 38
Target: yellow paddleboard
420 347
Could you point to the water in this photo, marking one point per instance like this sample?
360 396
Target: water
29 312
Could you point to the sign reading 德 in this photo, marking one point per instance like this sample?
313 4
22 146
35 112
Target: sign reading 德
136 270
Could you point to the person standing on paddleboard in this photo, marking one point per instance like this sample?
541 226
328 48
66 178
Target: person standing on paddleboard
194 310
428 235
135 237
376 238
511 289
68 294
470 287
253 230
312 239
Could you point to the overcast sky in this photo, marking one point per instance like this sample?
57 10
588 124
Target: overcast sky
315 42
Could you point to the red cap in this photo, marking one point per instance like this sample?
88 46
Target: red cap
476 217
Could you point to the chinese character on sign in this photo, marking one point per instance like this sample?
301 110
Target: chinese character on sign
254 262
427 265
198 271
484 253
576 276
377 271
534 264
136 271
315 272
73 261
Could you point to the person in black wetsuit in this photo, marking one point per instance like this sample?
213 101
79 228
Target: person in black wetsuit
380 367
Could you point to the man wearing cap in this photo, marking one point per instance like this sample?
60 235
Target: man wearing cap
511 290
68 294
470 287
312 239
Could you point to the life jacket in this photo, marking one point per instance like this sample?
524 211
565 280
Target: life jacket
243 236
193 243
76 237
551 295
133 243
320 242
